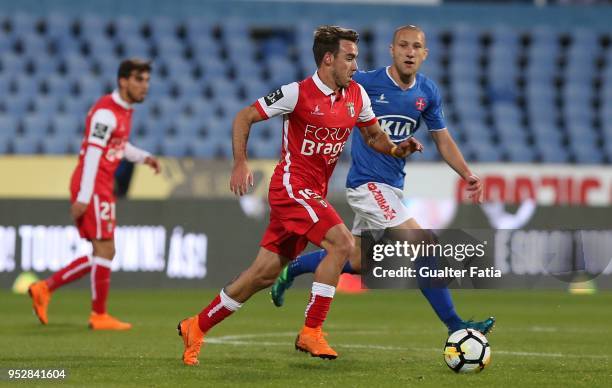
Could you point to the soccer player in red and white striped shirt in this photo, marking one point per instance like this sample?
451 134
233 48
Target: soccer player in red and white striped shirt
318 116
107 130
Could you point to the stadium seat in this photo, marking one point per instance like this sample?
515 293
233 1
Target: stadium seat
147 143
67 125
55 145
586 154
551 153
58 86
26 145
35 125
8 125
519 152
15 105
175 146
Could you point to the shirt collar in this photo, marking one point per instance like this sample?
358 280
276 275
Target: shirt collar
395 83
322 87
120 101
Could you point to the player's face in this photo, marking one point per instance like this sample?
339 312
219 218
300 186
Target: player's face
408 51
344 64
136 86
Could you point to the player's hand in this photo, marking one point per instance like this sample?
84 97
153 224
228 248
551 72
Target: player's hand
408 147
474 188
242 178
77 210
152 162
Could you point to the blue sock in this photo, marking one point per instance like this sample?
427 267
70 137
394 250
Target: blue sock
439 297
309 262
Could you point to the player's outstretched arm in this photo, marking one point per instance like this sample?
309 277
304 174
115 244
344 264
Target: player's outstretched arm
450 152
242 177
380 141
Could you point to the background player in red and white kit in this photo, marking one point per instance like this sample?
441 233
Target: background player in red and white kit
318 116
107 130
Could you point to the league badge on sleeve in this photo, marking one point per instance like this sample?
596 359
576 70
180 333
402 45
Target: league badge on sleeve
100 131
273 97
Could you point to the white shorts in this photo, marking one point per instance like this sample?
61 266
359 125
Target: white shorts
376 206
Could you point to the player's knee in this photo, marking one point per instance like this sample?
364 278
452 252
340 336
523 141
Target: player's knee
344 246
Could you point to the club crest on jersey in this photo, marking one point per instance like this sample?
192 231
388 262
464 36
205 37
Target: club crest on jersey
420 103
351 109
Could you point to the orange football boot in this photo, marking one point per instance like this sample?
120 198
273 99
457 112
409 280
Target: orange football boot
107 322
40 294
193 338
312 341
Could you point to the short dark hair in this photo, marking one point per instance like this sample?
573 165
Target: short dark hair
129 65
327 40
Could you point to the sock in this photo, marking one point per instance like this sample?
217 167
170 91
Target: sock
220 308
438 295
100 284
309 262
73 271
320 299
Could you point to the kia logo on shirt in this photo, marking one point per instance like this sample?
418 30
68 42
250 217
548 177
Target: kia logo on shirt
398 127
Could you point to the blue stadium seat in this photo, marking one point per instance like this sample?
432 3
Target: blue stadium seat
5 84
221 89
205 148
255 88
90 88
92 26
466 70
35 125
8 125
158 88
487 153
188 126
55 145
188 88
33 44
4 143
168 107
15 105
198 28
162 27
551 153
26 86
133 46
586 154
64 124
126 28
22 23
7 41
103 50
12 64
26 145
520 152
45 106
175 146
58 25
264 149
74 145
176 68
58 86
212 67
169 47
76 106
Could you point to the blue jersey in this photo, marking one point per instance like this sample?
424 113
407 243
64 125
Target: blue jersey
399 113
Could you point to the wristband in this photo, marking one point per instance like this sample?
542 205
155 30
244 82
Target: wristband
393 149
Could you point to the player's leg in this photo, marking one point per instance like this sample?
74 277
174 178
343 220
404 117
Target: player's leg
102 256
440 297
261 274
338 243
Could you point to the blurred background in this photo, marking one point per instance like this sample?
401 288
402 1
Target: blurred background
527 88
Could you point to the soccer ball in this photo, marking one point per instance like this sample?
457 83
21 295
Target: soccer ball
466 351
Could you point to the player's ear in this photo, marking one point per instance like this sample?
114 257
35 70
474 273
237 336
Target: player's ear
425 52
327 59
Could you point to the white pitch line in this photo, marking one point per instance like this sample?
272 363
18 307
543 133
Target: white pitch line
248 340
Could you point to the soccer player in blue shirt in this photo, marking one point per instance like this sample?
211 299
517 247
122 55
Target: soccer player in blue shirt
401 97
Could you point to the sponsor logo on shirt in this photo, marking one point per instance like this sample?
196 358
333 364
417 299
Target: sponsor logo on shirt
381 99
316 111
324 140
388 212
398 127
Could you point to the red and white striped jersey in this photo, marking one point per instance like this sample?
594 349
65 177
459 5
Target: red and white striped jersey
316 125
107 128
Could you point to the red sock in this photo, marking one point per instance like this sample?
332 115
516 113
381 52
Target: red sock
73 271
320 299
100 283
220 308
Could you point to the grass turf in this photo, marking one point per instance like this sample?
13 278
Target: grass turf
385 338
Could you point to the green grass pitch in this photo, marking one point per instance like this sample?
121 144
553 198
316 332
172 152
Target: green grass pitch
385 338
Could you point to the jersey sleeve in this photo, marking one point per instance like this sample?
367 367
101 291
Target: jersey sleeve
103 123
366 116
281 101
90 170
135 154
433 114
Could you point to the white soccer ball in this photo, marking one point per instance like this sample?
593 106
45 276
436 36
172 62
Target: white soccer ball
466 351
